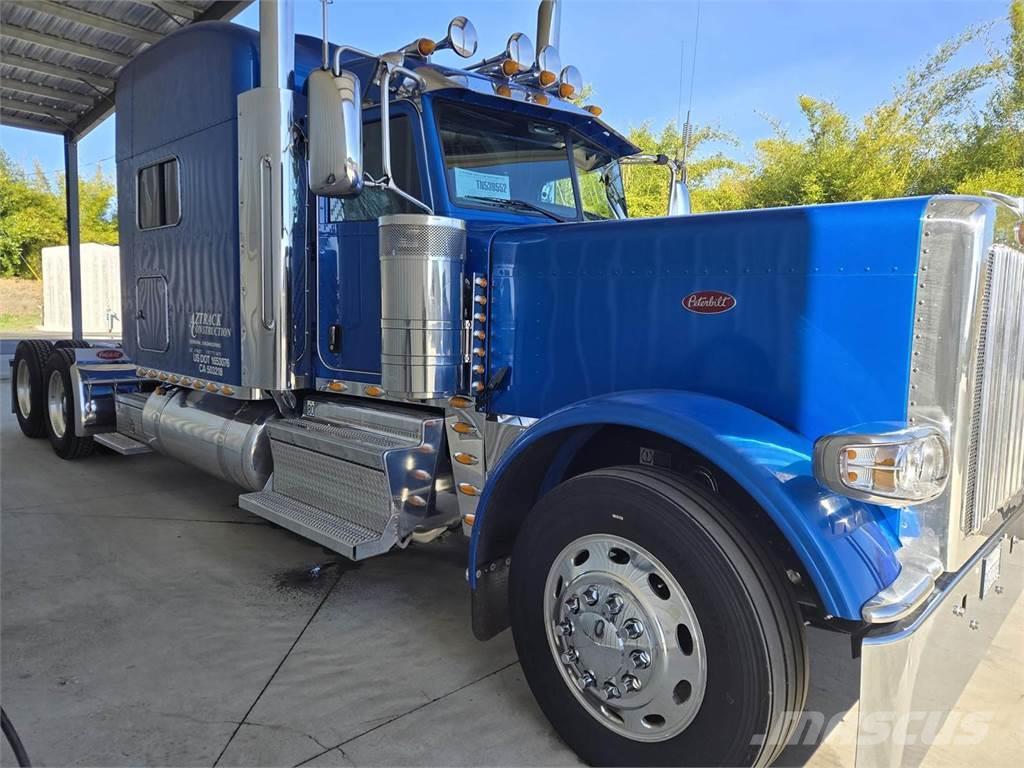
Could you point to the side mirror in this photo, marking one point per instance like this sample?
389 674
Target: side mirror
335 134
461 38
678 197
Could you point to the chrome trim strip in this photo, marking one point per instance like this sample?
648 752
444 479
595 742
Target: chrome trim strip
956 234
174 379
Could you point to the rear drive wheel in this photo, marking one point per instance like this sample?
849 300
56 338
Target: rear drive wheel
27 395
72 344
651 626
60 407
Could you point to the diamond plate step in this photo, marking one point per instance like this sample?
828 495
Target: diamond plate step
342 536
342 441
356 478
122 444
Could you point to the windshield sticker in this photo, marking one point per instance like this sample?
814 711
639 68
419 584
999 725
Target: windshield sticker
477 184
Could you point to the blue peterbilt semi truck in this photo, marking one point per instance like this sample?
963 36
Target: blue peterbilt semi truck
389 298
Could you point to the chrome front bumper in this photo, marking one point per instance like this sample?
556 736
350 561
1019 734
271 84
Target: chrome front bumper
914 670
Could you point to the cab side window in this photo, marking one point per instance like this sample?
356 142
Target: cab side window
374 202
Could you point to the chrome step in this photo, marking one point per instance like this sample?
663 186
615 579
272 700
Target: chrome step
342 441
342 536
122 444
345 466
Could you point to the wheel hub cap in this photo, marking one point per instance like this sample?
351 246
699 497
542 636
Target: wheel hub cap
23 385
625 638
56 404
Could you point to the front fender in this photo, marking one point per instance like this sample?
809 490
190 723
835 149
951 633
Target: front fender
847 547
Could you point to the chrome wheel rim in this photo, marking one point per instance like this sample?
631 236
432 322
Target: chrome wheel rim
23 387
625 638
56 404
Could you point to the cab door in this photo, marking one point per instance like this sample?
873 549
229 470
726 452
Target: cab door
348 274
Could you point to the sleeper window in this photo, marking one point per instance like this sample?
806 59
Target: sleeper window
159 203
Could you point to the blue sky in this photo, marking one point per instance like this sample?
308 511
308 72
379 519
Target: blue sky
753 56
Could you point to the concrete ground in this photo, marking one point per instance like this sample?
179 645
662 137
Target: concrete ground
147 620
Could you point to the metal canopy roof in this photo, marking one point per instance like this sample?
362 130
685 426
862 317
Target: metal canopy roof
59 59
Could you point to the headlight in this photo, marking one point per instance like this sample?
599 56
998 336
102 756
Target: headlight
905 466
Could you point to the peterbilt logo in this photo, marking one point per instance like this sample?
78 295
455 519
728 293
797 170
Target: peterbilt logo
709 302
109 354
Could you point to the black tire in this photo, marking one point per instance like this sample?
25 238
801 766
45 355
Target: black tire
31 353
72 344
756 657
65 443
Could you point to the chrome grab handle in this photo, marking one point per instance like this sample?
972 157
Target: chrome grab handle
266 265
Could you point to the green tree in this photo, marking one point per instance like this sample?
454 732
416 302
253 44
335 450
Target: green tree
33 214
930 137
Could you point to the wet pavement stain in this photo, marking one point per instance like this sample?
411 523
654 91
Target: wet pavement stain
312 579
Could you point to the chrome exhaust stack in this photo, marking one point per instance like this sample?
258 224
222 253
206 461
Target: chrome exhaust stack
549 23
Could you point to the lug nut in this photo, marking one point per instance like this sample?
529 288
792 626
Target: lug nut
611 691
587 679
614 604
640 659
565 628
630 683
570 656
633 629
573 604
973 624
591 595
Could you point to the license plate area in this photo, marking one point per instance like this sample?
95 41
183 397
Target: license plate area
990 571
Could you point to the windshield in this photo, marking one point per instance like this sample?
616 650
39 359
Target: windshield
502 160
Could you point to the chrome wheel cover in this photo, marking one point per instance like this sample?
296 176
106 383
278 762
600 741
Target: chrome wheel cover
23 388
625 637
56 404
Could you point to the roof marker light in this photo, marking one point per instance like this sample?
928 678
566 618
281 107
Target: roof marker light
570 82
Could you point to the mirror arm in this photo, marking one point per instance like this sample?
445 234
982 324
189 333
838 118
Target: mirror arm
336 69
388 72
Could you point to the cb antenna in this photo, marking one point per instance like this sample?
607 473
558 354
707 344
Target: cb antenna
688 129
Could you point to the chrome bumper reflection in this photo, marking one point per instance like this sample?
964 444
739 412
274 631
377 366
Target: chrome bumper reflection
913 671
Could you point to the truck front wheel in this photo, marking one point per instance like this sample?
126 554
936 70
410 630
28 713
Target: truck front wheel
60 407
652 627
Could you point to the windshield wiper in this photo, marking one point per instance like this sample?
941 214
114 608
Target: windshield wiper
516 205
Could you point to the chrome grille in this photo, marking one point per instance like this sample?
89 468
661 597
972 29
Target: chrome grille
996 449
